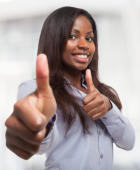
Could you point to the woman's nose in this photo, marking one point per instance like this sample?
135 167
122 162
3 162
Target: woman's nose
83 44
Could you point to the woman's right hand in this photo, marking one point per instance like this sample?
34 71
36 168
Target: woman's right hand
26 126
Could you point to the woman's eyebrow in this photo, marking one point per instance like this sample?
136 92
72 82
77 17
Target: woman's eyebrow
75 30
90 32
78 32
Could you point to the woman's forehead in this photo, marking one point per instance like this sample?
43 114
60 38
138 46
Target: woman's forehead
82 23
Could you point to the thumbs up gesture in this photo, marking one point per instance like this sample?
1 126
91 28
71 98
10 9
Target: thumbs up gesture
45 98
95 103
26 127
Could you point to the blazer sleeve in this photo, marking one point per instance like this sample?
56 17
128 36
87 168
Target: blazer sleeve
26 88
119 128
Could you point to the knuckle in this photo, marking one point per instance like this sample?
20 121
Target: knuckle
40 136
103 106
17 105
37 125
23 103
96 92
84 100
39 122
94 117
12 122
100 100
9 121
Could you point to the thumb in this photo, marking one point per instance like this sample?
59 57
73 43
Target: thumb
48 104
89 81
42 73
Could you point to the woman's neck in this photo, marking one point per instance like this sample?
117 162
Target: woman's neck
75 79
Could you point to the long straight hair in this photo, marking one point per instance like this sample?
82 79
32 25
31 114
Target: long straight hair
54 35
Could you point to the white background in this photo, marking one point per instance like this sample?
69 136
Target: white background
118 23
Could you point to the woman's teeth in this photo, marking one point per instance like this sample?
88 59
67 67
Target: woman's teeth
81 56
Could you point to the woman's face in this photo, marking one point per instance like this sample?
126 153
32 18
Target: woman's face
80 47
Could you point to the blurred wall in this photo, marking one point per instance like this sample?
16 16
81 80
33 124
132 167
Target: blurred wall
119 38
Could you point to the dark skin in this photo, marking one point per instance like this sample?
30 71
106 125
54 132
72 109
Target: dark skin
80 44
95 104
26 126
77 56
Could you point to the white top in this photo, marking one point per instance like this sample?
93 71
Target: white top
77 151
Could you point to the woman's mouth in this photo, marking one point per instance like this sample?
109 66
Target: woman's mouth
82 58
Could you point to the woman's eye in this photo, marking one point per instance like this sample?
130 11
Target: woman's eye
90 39
72 37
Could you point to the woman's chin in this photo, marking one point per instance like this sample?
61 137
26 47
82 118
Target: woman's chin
81 68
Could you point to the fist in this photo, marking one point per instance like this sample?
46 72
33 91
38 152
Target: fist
26 126
95 103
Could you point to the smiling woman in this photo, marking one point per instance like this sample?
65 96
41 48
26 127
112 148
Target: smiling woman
67 113
80 47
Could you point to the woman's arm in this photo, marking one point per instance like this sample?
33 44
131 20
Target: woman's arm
98 106
26 126
119 128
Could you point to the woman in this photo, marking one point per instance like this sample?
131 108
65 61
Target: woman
67 113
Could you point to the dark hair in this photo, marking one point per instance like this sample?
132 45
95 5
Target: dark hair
54 35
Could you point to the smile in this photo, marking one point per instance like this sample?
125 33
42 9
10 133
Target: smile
83 58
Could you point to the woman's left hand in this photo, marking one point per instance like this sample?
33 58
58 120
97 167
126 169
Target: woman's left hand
95 103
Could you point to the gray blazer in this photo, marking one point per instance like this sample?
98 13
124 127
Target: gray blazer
77 151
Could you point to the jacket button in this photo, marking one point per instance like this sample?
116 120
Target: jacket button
101 156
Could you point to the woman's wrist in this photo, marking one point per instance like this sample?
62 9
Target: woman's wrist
50 125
